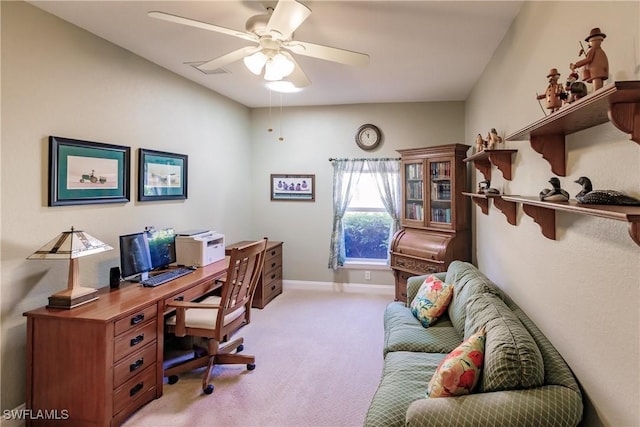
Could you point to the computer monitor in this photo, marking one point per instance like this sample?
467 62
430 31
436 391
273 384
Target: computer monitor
162 247
135 258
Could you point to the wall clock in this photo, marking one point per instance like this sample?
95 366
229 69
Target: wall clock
368 137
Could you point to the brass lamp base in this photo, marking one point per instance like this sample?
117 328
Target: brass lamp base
72 298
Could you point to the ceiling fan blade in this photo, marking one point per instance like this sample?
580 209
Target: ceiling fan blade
297 76
202 25
286 18
221 61
328 53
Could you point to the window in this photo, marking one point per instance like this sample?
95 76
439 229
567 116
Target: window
367 225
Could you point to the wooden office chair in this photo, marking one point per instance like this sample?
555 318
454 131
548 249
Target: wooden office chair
217 317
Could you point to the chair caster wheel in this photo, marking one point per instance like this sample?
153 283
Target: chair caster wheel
208 389
240 348
173 379
251 366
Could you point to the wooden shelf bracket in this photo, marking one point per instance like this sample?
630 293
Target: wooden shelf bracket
507 208
545 218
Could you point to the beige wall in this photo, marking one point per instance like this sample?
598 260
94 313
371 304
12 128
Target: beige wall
583 288
312 135
60 80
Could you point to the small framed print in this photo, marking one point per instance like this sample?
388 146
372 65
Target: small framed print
161 175
84 172
293 187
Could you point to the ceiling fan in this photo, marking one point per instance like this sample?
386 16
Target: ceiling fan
272 34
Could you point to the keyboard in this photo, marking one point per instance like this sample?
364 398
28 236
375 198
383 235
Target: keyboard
165 277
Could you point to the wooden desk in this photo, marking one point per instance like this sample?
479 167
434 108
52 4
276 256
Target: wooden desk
96 364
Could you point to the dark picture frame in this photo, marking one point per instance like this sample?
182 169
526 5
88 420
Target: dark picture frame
85 172
162 175
293 187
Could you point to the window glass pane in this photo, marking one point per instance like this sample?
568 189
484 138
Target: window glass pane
366 235
366 194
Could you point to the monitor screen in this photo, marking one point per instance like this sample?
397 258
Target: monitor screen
162 247
134 255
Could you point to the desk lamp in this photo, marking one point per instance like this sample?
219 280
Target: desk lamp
71 245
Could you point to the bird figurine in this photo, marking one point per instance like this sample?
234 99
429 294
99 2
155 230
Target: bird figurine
493 139
484 187
555 194
602 197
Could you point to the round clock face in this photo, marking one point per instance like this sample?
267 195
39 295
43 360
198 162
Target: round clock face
368 137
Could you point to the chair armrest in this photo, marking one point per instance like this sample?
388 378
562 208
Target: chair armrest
548 405
190 304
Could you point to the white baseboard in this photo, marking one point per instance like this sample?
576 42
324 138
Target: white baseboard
362 288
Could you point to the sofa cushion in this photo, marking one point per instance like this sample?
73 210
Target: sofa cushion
459 372
403 332
404 380
512 359
467 281
431 300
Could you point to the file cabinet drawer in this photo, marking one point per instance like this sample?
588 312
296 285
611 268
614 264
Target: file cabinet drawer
134 340
134 364
136 388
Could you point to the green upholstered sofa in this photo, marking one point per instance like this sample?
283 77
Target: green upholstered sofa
524 382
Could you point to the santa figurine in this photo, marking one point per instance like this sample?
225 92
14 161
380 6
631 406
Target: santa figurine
596 64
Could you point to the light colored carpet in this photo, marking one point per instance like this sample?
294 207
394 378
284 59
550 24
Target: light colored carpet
318 364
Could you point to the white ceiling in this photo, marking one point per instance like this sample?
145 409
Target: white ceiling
419 50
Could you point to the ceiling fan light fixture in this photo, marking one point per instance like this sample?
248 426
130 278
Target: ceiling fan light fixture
255 62
283 86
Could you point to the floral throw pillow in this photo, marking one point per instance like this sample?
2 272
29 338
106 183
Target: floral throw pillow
431 300
458 373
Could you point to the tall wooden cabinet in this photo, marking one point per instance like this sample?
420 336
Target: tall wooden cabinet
435 215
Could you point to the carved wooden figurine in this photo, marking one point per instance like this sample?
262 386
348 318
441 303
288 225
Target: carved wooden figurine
480 143
554 92
596 64
574 89
493 139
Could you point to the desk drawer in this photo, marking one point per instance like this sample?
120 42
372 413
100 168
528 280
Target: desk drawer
138 387
192 294
273 258
136 319
134 364
134 340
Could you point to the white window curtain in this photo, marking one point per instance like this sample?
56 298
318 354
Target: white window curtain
346 175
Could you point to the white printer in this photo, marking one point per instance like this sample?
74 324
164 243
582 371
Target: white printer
199 247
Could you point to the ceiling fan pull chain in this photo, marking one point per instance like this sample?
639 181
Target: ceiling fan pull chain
281 138
270 128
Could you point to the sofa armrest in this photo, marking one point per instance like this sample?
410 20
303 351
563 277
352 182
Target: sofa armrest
550 405
414 282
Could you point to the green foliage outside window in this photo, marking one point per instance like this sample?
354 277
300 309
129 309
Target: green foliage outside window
366 234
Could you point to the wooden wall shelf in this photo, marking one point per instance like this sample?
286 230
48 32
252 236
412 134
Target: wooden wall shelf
617 101
508 208
500 158
543 213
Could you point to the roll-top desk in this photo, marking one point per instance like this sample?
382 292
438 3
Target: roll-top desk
96 364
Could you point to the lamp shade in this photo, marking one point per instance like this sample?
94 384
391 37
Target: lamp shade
255 62
71 245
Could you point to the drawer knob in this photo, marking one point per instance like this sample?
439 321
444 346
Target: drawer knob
137 340
136 389
137 319
273 264
273 276
180 298
135 365
273 288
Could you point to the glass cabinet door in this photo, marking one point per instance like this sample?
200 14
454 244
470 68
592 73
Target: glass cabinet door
440 187
414 191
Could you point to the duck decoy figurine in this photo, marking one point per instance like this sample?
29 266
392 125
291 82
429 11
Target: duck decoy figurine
555 194
602 197
484 187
